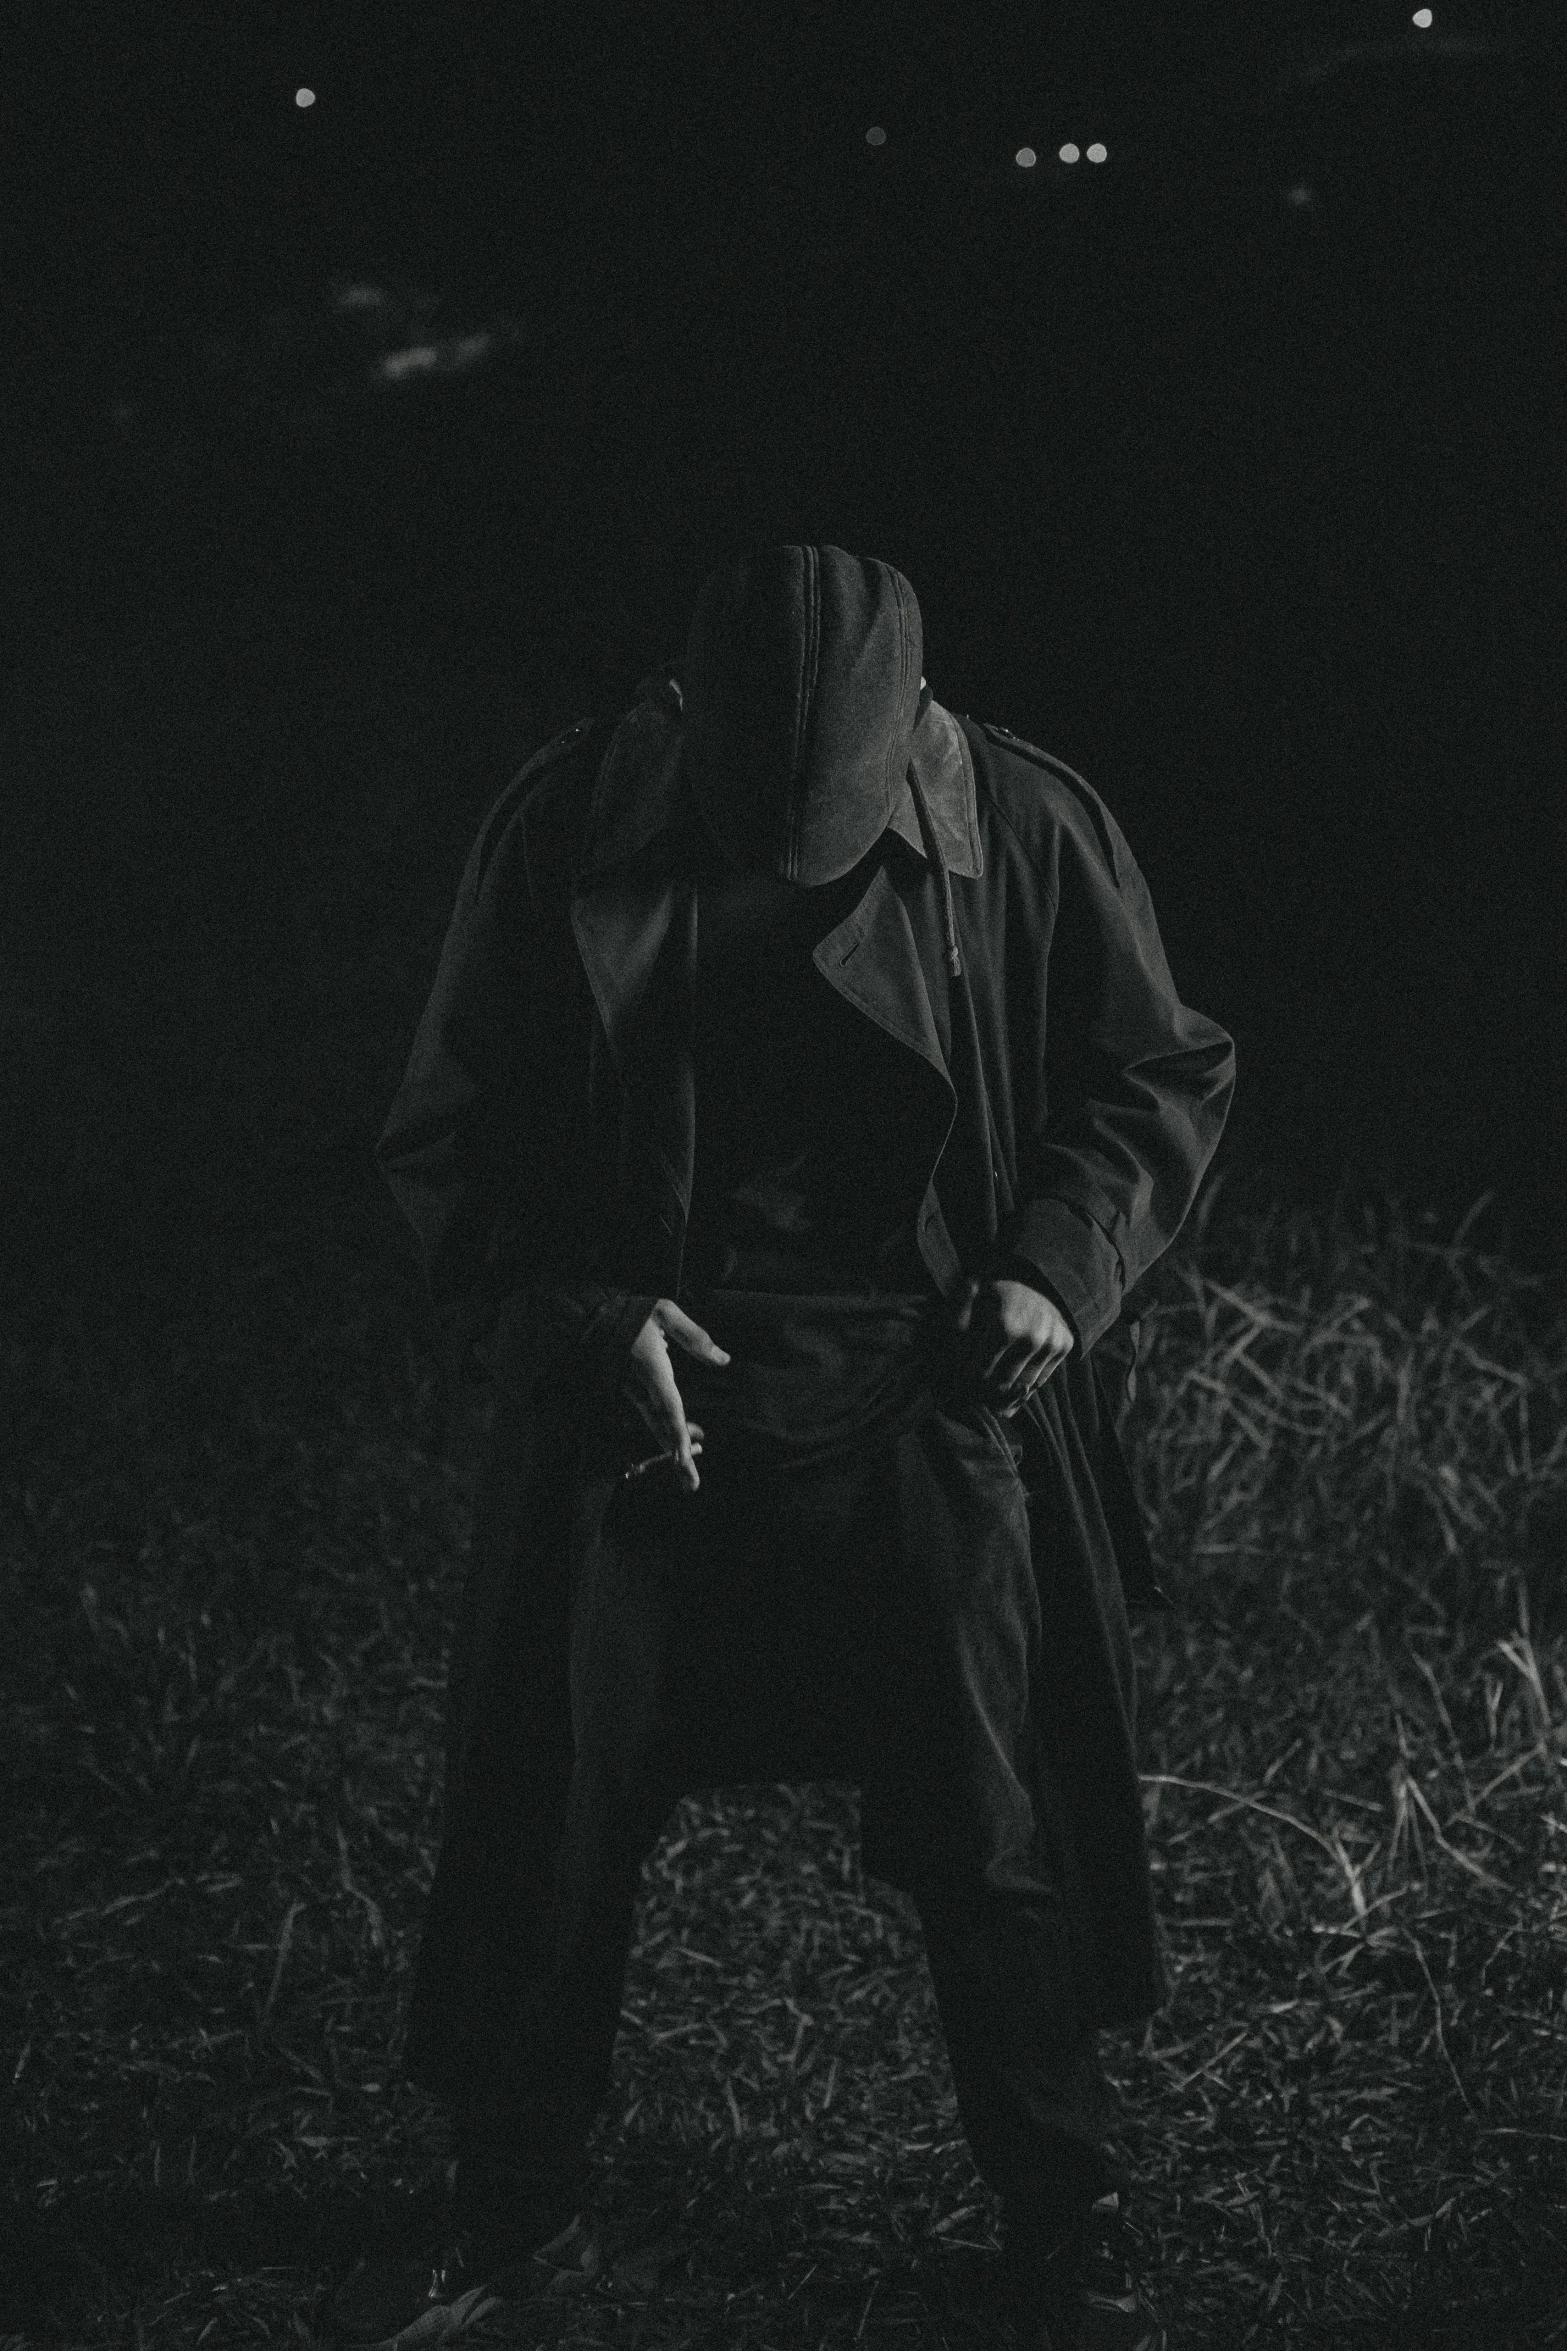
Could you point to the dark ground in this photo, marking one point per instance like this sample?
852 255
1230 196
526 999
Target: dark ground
230 1564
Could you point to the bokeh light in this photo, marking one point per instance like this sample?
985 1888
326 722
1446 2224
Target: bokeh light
1025 158
876 136
1098 152
1424 19
304 97
1069 153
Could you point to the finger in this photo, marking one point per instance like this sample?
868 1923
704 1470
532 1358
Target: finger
652 1406
1008 1364
1049 1363
996 1349
1039 1372
1026 1375
678 1325
678 1427
652 1420
966 1298
667 1404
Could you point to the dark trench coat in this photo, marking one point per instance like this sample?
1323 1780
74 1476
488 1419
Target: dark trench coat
1061 1106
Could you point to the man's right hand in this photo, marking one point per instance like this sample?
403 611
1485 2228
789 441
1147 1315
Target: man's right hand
650 1386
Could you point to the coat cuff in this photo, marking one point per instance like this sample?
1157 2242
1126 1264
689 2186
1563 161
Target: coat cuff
1079 1265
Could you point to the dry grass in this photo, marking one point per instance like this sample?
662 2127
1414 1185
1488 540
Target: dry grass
231 1557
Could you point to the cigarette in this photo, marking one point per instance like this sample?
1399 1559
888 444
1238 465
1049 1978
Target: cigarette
640 1468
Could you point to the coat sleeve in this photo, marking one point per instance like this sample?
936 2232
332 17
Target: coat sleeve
471 1141
1137 1086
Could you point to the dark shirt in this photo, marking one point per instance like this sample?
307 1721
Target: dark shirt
794 1186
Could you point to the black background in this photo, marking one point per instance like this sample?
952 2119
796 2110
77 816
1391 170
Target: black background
1246 502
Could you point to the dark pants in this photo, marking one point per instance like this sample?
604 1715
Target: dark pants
876 1621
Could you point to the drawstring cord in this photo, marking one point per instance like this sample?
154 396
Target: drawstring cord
933 852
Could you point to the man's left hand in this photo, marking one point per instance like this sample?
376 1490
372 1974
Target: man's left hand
1014 1338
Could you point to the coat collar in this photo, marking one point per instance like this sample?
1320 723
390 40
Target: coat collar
640 790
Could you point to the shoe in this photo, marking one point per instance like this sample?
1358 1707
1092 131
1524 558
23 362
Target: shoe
407 2305
1074 2286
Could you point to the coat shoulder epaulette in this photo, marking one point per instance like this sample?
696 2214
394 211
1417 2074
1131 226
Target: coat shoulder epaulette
581 735
505 805
1083 791
1030 751
558 745
663 687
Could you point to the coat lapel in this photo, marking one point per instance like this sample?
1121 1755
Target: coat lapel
873 960
636 934
633 913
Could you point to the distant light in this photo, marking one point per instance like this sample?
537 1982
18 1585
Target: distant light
876 136
1025 159
304 97
1069 153
1423 19
1300 196
1098 152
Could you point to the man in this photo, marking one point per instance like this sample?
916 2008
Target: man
802 1088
